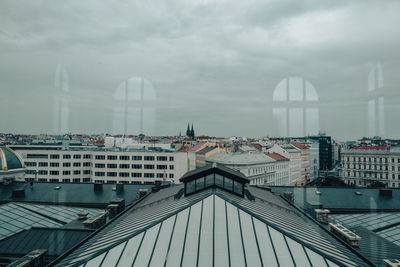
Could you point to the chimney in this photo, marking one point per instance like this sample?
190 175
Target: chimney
95 222
345 233
322 215
142 192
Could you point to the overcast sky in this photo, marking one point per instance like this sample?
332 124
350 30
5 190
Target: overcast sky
213 63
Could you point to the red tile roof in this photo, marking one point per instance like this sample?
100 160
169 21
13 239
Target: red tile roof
276 156
198 146
299 146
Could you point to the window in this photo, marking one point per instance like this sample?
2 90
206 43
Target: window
136 174
136 157
111 157
30 172
99 165
136 166
77 156
112 166
54 164
66 180
148 158
86 171
148 167
209 180
171 167
30 164
200 183
219 180
66 156
86 180
111 174
160 175
190 186
66 172
171 158
77 164
86 164
124 166
171 176
228 184
161 167
54 156
162 158
77 172
87 156
54 172
100 157
43 164
76 180
149 175
66 164
99 174
37 156
123 157
124 174
237 188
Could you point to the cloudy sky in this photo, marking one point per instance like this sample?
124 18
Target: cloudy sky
153 66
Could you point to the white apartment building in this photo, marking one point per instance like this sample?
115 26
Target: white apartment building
365 165
92 164
294 156
258 167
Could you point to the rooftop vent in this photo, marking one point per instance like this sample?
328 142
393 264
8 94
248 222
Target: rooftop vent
142 192
358 193
83 215
322 215
345 233
95 222
392 263
20 192
318 192
57 188
385 192
32 259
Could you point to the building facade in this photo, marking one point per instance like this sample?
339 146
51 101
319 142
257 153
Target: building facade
92 164
366 166
259 168
294 156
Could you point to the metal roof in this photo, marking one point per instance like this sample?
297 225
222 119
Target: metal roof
56 241
212 225
214 168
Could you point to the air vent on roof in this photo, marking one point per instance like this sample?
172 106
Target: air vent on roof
57 188
385 192
142 192
392 263
345 233
83 215
322 215
179 194
249 195
20 192
95 222
318 192
358 193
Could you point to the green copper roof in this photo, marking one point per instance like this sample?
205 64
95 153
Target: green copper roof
9 159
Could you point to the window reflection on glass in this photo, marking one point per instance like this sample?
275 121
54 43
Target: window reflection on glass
61 101
376 101
134 107
237 188
296 111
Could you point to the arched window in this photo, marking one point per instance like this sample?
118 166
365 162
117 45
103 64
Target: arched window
296 110
134 107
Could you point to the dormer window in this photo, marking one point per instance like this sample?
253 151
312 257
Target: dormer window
214 176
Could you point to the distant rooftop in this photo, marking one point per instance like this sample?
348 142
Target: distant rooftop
240 158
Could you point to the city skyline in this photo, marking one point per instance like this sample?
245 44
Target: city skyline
218 69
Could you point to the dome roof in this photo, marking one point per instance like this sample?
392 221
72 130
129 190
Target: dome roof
9 159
